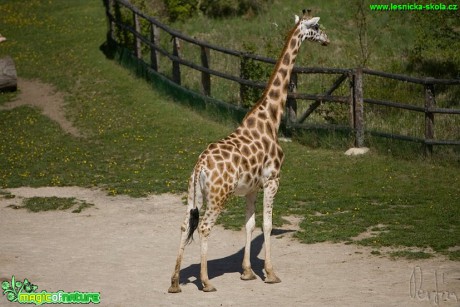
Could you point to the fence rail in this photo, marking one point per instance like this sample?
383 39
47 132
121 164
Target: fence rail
354 99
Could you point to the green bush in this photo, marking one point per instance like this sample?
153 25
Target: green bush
184 9
220 8
126 38
437 41
255 71
180 9
227 8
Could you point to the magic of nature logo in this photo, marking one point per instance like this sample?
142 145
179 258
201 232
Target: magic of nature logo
24 292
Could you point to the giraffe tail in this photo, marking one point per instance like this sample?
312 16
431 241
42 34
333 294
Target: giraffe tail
193 224
194 212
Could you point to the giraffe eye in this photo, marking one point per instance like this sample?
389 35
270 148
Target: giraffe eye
316 27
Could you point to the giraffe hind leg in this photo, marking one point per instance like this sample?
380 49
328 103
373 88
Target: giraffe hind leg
186 237
187 229
175 288
270 189
206 224
248 273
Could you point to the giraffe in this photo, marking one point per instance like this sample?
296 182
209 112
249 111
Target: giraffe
246 161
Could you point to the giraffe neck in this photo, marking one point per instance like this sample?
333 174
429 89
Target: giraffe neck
273 100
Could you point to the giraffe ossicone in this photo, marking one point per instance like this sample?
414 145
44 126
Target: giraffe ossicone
246 161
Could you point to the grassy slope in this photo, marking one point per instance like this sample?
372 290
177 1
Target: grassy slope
140 142
389 34
389 39
130 126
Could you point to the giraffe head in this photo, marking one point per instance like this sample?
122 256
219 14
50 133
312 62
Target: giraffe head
310 28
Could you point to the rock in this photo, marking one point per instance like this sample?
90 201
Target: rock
355 151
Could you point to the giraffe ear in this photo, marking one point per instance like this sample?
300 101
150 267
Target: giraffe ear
297 18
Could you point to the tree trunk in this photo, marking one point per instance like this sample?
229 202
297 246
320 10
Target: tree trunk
8 75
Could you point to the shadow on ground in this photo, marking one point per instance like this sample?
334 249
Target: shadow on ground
230 264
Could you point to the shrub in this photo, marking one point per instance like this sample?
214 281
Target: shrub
184 9
180 9
227 8
437 41
255 71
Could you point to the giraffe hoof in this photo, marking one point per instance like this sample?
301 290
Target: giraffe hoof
174 289
209 289
248 276
272 280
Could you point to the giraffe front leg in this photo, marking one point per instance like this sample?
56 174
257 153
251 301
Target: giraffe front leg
248 274
270 189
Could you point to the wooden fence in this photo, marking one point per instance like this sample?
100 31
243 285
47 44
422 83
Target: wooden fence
355 98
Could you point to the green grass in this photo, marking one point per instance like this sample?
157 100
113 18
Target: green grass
38 204
340 197
391 37
266 32
454 255
6 195
410 255
138 141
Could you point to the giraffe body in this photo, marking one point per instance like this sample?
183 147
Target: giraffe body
243 163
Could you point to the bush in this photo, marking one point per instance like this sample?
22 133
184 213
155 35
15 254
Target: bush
184 9
180 9
255 71
121 13
227 8
437 42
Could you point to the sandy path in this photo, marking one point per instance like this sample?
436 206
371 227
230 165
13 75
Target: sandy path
125 248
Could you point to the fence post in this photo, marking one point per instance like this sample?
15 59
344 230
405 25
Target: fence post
175 64
358 107
430 102
291 103
205 77
154 39
108 5
137 41
351 98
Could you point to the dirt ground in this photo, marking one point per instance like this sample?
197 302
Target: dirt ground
125 248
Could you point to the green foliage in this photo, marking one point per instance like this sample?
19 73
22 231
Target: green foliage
436 50
220 8
180 9
125 37
125 16
184 9
437 43
255 71
227 8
